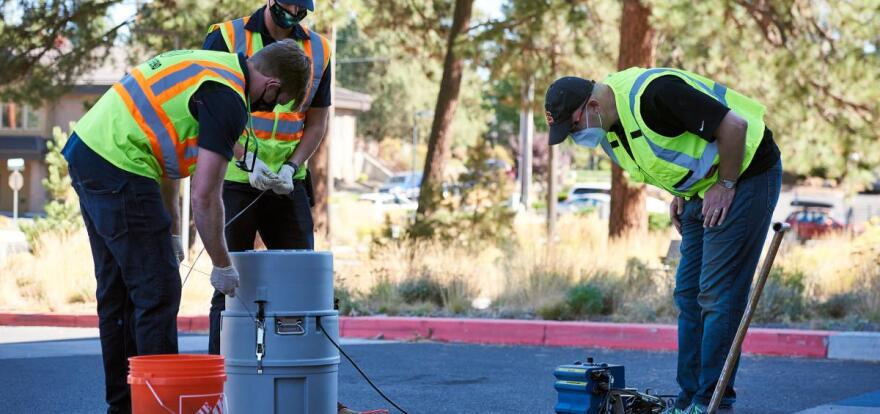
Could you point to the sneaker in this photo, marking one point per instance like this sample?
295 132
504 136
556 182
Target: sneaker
702 409
697 409
674 410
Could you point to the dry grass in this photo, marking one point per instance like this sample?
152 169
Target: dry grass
58 276
519 278
836 263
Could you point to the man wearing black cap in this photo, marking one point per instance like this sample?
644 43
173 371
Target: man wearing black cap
708 146
288 136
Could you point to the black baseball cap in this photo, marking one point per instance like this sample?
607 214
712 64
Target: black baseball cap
306 4
564 96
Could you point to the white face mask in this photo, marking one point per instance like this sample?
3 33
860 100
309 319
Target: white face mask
589 137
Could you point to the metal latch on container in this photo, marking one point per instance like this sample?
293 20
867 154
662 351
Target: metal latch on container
261 334
289 325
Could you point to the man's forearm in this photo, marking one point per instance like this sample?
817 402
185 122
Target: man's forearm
170 190
208 215
731 141
313 135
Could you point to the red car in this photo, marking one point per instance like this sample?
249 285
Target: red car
813 220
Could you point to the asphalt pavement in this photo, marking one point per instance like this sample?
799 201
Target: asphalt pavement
62 375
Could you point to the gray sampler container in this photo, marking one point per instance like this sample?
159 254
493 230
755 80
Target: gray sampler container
296 372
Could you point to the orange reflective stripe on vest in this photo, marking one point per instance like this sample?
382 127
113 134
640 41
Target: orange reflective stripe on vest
144 101
240 38
174 79
152 119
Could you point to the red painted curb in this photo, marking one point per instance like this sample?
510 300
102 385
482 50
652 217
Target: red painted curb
184 323
759 341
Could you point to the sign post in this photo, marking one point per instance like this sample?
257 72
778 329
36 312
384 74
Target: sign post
16 181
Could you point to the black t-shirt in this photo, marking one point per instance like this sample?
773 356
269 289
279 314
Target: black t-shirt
671 107
215 41
221 113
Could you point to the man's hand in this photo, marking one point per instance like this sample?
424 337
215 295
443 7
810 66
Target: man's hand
225 279
285 180
676 208
261 178
177 244
716 205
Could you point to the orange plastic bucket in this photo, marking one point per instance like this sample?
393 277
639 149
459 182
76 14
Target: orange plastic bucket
177 384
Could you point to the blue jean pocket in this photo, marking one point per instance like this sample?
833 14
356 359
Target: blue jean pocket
106 207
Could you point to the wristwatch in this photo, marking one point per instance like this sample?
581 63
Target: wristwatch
292 164
728 184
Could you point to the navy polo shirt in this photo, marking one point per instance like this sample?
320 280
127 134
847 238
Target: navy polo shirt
256 24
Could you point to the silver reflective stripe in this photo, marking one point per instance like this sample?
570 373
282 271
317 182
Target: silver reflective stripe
317 66
240 45
699 166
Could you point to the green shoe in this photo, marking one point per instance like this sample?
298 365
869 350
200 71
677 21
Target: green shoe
702 409
674 410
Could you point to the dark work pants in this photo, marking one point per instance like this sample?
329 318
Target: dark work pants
283 221
138 283
713 282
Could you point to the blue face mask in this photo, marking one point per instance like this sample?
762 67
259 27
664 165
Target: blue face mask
589 137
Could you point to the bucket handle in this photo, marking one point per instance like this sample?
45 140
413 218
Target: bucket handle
162 404
159 400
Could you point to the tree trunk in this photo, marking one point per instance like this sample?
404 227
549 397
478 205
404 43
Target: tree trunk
440 139
636 49
319 167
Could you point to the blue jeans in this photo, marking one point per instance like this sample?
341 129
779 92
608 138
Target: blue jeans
138 283
713 281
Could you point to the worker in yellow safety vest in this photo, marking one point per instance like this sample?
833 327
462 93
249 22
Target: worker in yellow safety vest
708 146
281 212
177 114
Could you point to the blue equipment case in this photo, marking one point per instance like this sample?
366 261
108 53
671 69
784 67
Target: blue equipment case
583 386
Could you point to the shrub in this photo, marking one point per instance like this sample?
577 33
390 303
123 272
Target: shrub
344 298
586 299
558 311
62 211
658 221
383 297
421 289
783 299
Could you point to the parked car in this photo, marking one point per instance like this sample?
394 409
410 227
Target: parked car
407 183
602 202
812 219
586 202
581 190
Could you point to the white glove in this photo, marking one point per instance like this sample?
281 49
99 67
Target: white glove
261 178
225 279
177 244
285 176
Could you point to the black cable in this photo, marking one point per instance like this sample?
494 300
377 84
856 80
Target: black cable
359 370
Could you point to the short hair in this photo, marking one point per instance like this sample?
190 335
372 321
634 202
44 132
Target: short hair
287 62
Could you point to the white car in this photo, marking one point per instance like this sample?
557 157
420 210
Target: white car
602 203
581 190
407 183
388 199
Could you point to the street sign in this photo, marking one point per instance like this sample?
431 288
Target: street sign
16 181
15 164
